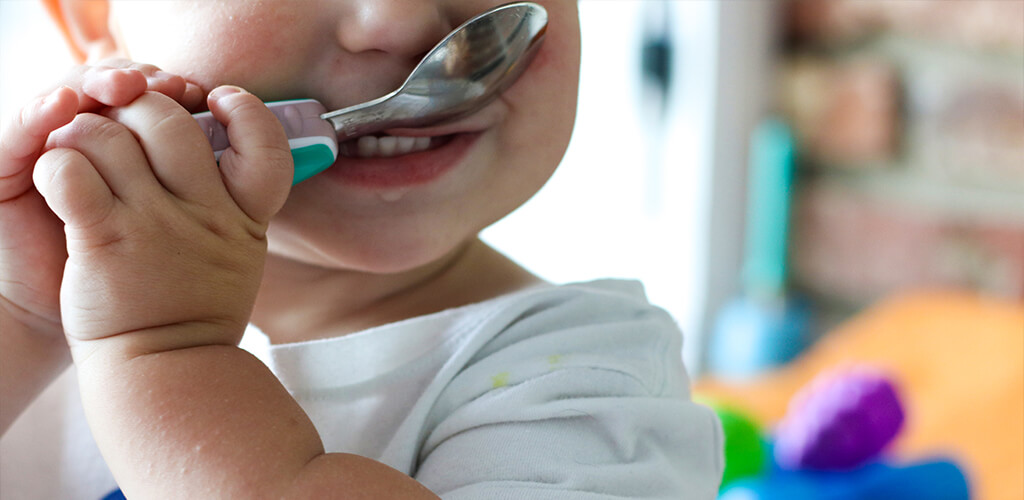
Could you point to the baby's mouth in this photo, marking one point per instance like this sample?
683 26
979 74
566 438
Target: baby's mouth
389 146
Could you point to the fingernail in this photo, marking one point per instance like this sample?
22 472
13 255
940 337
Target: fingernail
123 71
52 97
224 91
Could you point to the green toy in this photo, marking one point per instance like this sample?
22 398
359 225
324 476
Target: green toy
746 453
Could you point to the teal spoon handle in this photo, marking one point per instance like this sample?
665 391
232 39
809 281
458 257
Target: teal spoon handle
313 140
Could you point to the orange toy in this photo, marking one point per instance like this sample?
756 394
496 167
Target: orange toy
959 361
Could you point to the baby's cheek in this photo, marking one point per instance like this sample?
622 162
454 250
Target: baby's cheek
235 46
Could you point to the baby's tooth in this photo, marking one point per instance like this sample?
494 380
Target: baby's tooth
386 145
368 146
405 145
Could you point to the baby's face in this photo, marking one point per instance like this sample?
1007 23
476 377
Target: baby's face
379 214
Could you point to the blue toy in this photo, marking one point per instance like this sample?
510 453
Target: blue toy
937 480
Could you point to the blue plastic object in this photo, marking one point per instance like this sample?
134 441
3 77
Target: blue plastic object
115 495
752 335
765 327
937 480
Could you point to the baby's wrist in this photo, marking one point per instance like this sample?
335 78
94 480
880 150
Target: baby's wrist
155 340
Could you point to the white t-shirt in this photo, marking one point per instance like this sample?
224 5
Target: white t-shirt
557 392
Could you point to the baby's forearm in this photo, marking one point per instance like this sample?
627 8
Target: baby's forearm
165 248
213 421
29 361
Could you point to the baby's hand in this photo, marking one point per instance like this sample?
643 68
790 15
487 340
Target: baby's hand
32 246
161 242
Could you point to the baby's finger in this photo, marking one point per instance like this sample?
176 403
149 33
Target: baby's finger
118 82
258 167
23 138
179 153
193 99
189 95
113 151
72 187
157 80
102 86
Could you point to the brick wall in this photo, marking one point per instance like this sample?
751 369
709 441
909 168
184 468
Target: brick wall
910 117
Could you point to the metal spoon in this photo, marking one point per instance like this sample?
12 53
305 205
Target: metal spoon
467 70
460 75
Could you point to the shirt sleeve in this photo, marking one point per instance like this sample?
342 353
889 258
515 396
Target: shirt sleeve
578 400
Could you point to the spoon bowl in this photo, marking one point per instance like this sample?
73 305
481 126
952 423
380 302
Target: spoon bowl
463 73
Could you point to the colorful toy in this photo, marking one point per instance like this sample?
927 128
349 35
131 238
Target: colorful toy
746 453
839 422
828 447
935 480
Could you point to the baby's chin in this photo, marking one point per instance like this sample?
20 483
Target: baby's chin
411 255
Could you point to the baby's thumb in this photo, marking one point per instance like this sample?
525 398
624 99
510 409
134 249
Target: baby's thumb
257 169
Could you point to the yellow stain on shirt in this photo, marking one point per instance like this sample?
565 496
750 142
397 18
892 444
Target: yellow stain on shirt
554 360
500 380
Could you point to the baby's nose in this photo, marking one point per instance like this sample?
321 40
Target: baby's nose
405 28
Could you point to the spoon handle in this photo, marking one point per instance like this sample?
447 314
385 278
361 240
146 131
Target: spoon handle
313 141
366 118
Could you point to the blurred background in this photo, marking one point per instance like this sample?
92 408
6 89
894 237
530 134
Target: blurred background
815 189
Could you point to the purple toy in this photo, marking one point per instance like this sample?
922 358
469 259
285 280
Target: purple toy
839 421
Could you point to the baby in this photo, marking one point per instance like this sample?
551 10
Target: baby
389 353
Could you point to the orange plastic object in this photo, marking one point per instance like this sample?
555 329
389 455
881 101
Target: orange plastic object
958 359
